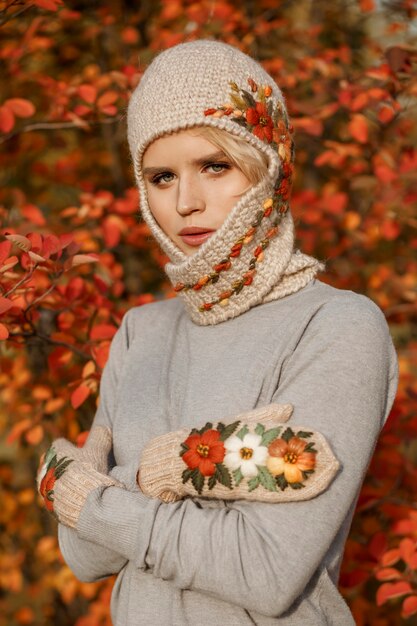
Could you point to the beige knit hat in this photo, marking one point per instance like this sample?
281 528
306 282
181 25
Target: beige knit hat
209 83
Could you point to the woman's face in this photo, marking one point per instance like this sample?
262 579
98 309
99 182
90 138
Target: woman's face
191 186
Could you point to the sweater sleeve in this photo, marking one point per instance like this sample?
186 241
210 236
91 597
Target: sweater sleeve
88 560
341 378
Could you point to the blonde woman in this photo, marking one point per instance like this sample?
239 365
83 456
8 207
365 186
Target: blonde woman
236 421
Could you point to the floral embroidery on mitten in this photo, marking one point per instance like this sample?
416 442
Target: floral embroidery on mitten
228 455
51 471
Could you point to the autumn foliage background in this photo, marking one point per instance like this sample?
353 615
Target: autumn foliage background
74 254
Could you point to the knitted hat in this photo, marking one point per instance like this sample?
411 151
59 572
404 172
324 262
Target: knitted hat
249 259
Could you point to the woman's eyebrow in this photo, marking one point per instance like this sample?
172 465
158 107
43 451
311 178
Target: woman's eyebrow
214 156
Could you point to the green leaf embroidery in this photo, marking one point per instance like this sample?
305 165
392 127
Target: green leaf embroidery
184 449
310 447
50 455
287 434
238 476
270 435
197 479
266 479
226 431
242 432
222 474
62 466
281 482
260 429
212 481
186 475
253 483
248 98
296 485
304 434
307 473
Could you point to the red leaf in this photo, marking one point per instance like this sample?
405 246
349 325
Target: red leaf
102 331
389 591
33 214
87 93
6 119
80 395
111 231
378 545
5 247
21 107
409 606
390 229
48 5
74 289
358 128
4 333
5 304
36 240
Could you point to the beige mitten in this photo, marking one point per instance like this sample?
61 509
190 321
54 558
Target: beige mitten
253 457
69 474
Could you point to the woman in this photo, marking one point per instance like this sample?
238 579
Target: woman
250 404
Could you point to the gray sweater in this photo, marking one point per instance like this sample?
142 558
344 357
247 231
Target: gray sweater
206 562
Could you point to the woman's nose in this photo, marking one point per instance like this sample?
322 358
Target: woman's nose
189 198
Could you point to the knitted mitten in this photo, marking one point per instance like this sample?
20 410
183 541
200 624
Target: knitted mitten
68 474
253 457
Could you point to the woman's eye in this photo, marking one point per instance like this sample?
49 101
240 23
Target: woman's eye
216 168
164 177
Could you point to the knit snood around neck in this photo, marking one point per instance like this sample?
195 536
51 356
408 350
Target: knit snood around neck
250 260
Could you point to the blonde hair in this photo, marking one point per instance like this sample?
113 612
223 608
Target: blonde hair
252 162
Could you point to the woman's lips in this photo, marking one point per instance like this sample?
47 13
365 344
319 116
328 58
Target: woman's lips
195 235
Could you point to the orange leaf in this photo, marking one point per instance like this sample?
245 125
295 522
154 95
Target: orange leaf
389 591
359 102
21 107
33 214
109 97
82 438
88 93
6 119
385 114
388 573
35 435
17 430
367 5
309 125
5 304
4 333
5 247
358 128
409 606
89 369
79 395
407 549
102 331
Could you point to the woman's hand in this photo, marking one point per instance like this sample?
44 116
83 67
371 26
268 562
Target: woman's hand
68 474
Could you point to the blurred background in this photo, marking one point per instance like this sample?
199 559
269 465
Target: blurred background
74 254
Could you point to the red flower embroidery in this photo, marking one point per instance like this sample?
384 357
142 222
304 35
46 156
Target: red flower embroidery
46 488
204 452
261 121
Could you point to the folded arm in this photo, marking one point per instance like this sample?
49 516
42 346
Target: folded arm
341 380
